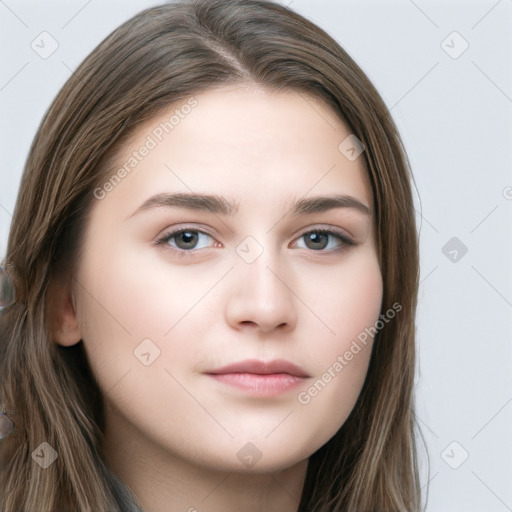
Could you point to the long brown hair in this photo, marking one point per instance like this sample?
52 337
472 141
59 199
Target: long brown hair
162 56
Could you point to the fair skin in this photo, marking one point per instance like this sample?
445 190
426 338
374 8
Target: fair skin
180 438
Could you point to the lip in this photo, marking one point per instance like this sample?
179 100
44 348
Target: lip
258 367
260 378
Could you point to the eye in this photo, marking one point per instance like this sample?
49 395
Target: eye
187 239
323 240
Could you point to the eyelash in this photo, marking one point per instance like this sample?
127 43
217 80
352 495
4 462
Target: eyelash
345 241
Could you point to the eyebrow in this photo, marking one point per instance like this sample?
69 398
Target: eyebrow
199 202
319 204
220 205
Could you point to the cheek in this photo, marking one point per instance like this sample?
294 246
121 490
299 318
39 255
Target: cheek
127 296
350 307
140 291
353 300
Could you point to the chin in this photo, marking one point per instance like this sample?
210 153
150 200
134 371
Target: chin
253 457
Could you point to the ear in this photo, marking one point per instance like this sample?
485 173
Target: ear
62 320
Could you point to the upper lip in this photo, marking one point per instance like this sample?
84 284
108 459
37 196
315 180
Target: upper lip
262 368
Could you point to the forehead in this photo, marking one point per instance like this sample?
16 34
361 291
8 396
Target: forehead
251 145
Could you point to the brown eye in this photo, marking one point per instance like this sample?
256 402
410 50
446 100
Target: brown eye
187 240
316 240
323 240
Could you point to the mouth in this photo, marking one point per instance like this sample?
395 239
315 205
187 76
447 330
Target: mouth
260 378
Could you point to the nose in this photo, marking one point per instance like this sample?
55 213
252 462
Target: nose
261 297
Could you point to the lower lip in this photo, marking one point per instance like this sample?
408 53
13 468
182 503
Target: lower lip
260 385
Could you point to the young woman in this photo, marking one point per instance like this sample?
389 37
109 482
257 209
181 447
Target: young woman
216 270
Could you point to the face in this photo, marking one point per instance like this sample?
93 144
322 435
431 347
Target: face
225 277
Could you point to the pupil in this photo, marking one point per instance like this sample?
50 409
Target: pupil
186 240
317 240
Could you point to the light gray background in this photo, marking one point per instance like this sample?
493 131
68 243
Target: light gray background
455 116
